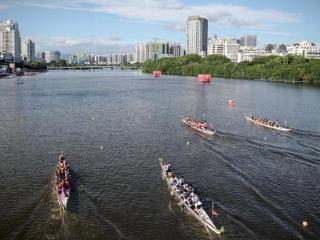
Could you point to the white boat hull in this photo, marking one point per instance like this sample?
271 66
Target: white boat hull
204 218
282 129
205 131
63 198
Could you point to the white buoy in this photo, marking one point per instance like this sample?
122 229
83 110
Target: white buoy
101 147
188 143
305 224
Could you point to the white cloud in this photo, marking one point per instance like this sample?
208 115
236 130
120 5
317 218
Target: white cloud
170 13
76 45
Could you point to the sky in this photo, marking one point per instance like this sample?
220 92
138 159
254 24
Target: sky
110 26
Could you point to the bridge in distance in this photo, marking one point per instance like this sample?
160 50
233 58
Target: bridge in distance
93 67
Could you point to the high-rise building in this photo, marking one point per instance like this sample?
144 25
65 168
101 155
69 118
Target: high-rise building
197 35
141 52
157 49
175 49
249 41
28 51
130 58
41 56
52 56
10 41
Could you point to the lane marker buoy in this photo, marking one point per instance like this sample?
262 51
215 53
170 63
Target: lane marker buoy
305 224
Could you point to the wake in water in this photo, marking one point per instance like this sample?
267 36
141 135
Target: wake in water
273 180
58 217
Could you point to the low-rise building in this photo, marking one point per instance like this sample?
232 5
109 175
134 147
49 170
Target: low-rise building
300 49
231 49
251 54
227 47
312 55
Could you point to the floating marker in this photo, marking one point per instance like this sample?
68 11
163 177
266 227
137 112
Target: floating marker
204 114
92 118
265 138
305 224
188 143
101 147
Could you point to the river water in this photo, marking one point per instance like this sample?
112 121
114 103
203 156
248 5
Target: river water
114 126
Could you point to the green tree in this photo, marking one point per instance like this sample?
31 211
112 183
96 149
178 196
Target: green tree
282 48
269 47
62 63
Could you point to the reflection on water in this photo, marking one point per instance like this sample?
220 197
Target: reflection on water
264 183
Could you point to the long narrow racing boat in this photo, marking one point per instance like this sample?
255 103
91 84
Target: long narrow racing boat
190 124
186 197
274 127
62 183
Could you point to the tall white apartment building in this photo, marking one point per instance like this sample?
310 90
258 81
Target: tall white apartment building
10 41
28 52
197 35
141 52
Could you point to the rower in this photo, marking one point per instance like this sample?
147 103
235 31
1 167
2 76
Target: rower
204 125
66 183
61 157
198 204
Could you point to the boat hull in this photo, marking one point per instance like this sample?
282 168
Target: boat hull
282 129
204 77
156 73
204 219
63 198
205 131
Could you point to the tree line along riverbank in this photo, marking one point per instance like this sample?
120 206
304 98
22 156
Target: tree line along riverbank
275 68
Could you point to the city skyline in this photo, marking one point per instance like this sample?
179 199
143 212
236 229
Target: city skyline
97 26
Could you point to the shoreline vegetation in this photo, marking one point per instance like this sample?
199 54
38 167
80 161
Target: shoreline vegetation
273 68
34 66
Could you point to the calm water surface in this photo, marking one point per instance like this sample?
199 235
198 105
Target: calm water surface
264 183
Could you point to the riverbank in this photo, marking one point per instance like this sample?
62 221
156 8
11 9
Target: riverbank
273 68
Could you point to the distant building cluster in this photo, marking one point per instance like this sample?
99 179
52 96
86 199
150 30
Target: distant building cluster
106 59
237 50
305 49
157 49
12 49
